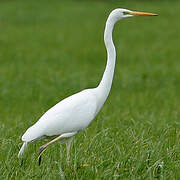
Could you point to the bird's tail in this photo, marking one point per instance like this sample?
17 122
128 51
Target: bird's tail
24 146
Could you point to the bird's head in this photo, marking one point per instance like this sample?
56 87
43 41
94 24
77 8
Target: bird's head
121 13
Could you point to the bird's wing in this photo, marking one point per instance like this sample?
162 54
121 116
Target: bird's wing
69 115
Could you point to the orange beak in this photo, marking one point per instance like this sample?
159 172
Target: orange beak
135 13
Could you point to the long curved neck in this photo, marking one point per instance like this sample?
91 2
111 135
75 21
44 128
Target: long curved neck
104 86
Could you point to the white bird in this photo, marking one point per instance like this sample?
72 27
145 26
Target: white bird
74 113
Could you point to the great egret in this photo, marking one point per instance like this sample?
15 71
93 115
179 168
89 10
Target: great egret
74 113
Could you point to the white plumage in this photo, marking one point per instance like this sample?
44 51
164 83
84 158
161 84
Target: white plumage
69 115
76 112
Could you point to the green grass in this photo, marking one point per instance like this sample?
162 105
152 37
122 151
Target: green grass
50 50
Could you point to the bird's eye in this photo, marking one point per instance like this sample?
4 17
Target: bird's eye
125 13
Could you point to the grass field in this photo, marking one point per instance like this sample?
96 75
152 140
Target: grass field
50 50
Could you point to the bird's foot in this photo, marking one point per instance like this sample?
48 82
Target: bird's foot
41 150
